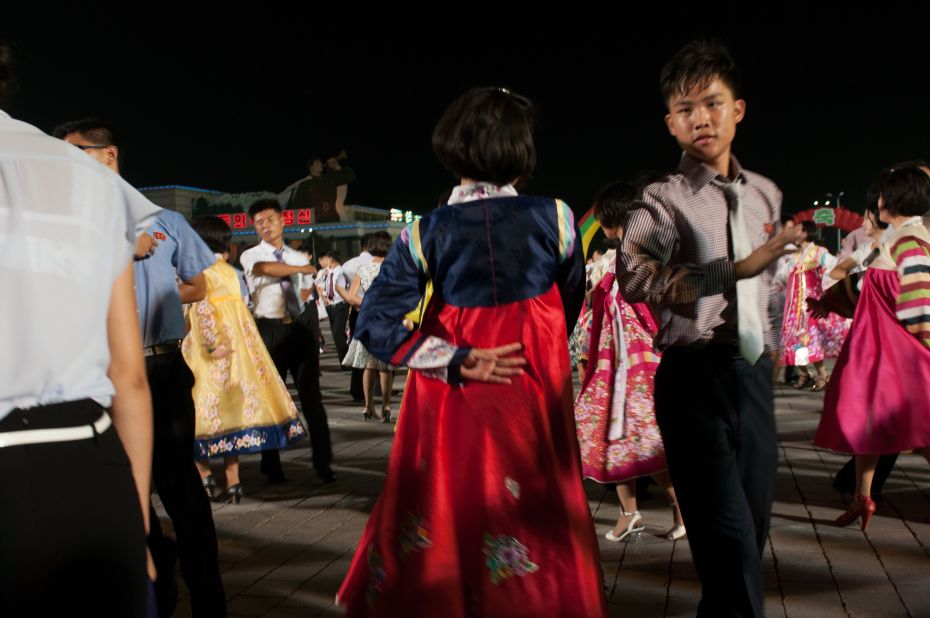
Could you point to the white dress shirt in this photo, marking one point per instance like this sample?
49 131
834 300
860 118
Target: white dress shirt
68 228
350 269
267 295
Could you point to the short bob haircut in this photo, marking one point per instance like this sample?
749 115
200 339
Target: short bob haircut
696 65
214 232
266 203
906 191
612 203
487 135
871 205
379 244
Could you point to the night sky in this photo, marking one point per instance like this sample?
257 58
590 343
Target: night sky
241 104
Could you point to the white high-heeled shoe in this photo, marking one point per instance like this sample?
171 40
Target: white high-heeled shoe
677 531
631 529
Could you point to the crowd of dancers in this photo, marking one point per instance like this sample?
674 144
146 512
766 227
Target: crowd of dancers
677 334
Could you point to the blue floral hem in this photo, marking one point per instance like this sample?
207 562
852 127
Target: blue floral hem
250 440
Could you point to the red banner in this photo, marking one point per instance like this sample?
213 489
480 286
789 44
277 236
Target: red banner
841 218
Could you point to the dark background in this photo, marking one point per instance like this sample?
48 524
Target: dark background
240 102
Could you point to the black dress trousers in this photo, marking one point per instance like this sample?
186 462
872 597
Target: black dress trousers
716 413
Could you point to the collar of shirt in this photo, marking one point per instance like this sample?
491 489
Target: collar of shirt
480 191
4 114
699 173
911 221
267 247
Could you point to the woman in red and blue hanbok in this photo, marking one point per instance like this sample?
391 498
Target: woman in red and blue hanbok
483 510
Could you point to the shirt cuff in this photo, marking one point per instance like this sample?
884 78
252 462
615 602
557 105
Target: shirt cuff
720 276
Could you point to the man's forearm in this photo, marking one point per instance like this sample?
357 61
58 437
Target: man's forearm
193 290
277 269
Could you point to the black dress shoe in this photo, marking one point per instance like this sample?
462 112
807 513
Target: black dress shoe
277 477
275 473
327 475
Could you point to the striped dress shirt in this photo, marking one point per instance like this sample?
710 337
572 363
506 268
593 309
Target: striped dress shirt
677 252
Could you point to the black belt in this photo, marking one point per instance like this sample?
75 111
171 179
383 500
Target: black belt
285 320
162 348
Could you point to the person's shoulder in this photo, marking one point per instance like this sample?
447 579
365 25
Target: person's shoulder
25 142
253 251
668 185
172 218
760 182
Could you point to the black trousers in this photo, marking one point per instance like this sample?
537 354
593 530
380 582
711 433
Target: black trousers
356 390
178 484
717 418
71 531
294 348
338 318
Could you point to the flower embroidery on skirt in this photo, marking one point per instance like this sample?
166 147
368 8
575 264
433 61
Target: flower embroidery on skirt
506 557
413 535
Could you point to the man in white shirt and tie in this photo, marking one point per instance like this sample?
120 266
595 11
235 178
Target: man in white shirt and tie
336 307
270 270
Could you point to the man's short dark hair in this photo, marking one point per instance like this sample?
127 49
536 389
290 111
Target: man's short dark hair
612 203
696 65
333 255
906 191
487 135
871 204
7 78
92 129
379 244
214 232
266 203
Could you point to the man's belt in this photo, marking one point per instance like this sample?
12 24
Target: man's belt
285 320
166 347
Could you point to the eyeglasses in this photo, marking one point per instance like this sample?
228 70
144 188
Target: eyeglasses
91 146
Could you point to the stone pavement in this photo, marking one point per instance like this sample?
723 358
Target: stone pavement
285 549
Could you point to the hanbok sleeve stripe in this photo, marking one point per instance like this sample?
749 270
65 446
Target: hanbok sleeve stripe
918 268
404 352
910 304
914 292
566 226
416 248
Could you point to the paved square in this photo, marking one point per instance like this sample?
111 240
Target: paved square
285 549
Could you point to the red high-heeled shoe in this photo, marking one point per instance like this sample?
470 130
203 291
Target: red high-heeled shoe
861 507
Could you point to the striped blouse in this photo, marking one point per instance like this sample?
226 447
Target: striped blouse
910 248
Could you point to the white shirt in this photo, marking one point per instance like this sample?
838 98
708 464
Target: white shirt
331 278
350 269
267 295
68 227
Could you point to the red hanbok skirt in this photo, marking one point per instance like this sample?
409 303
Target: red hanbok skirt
483 511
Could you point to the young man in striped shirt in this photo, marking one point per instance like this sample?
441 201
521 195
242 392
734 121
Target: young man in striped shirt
698 246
